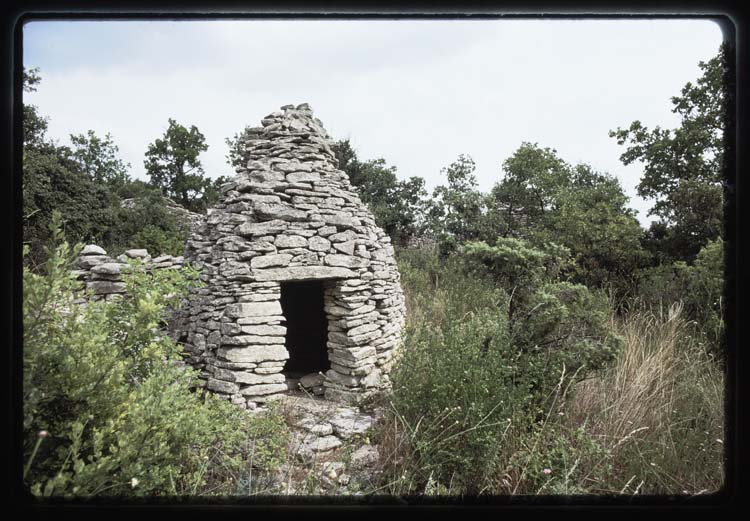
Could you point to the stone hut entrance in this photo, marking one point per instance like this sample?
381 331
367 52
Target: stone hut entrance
298 278
306 328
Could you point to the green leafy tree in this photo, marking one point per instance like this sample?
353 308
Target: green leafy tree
532 177
683 166
457 209
590 216
34 125
698 285
236 144
398 206
52 182
173 165
148 223
544 199
97 158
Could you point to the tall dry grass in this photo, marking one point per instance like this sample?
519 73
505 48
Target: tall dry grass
658 410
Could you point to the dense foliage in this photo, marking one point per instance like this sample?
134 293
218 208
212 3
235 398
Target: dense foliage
108 410
398 206
479 409
88 183
683 167
172 164
552 345
482 359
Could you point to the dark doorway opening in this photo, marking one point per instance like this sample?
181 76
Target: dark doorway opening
306 327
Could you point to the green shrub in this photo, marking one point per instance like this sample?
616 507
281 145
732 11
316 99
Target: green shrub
699 286
148 224
659 410
473 375
558 459
108 408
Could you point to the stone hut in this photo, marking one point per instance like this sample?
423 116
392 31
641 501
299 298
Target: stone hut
300 285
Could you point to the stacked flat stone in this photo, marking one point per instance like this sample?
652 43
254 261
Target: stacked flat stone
290 215
102 274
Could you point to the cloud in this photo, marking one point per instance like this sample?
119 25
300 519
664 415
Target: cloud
417 93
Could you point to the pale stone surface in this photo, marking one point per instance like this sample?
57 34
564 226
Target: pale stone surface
93 249
253 309
107 268
304 273
254 354
319 244
266 261
289 215
290 241
137 254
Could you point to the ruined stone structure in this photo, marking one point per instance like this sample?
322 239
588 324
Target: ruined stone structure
298 279
102 275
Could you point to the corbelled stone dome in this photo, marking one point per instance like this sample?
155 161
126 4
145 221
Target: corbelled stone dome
298 278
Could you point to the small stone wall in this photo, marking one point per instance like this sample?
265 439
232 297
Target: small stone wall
290 215
103 275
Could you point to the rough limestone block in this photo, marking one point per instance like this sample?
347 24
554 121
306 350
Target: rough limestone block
93 249
266 261
105 287
303 273
90 261
345 236
250 229
303 177
253 309
108 269
279 211
290 241
261 389
365 328
254 354
346 261
222 386
246 377
345 247
319 244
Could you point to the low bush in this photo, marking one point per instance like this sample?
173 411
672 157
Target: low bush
108 407
574 398
467 384
699 286
658 409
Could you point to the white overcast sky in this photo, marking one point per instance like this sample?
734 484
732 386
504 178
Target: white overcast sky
415 92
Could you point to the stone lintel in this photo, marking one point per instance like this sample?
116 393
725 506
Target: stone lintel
303 273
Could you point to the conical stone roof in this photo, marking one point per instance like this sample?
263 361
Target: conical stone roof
290 215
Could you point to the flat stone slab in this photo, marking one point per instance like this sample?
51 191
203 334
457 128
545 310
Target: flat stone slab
347 423
303 273
93 249
137 253
364 456
253 309
107 268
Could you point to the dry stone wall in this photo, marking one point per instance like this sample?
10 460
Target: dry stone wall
290 215
102 274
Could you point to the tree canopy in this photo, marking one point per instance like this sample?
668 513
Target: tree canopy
683 166
172 164
398 206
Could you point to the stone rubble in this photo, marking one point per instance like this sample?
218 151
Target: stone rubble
290 215
102 275
339 465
